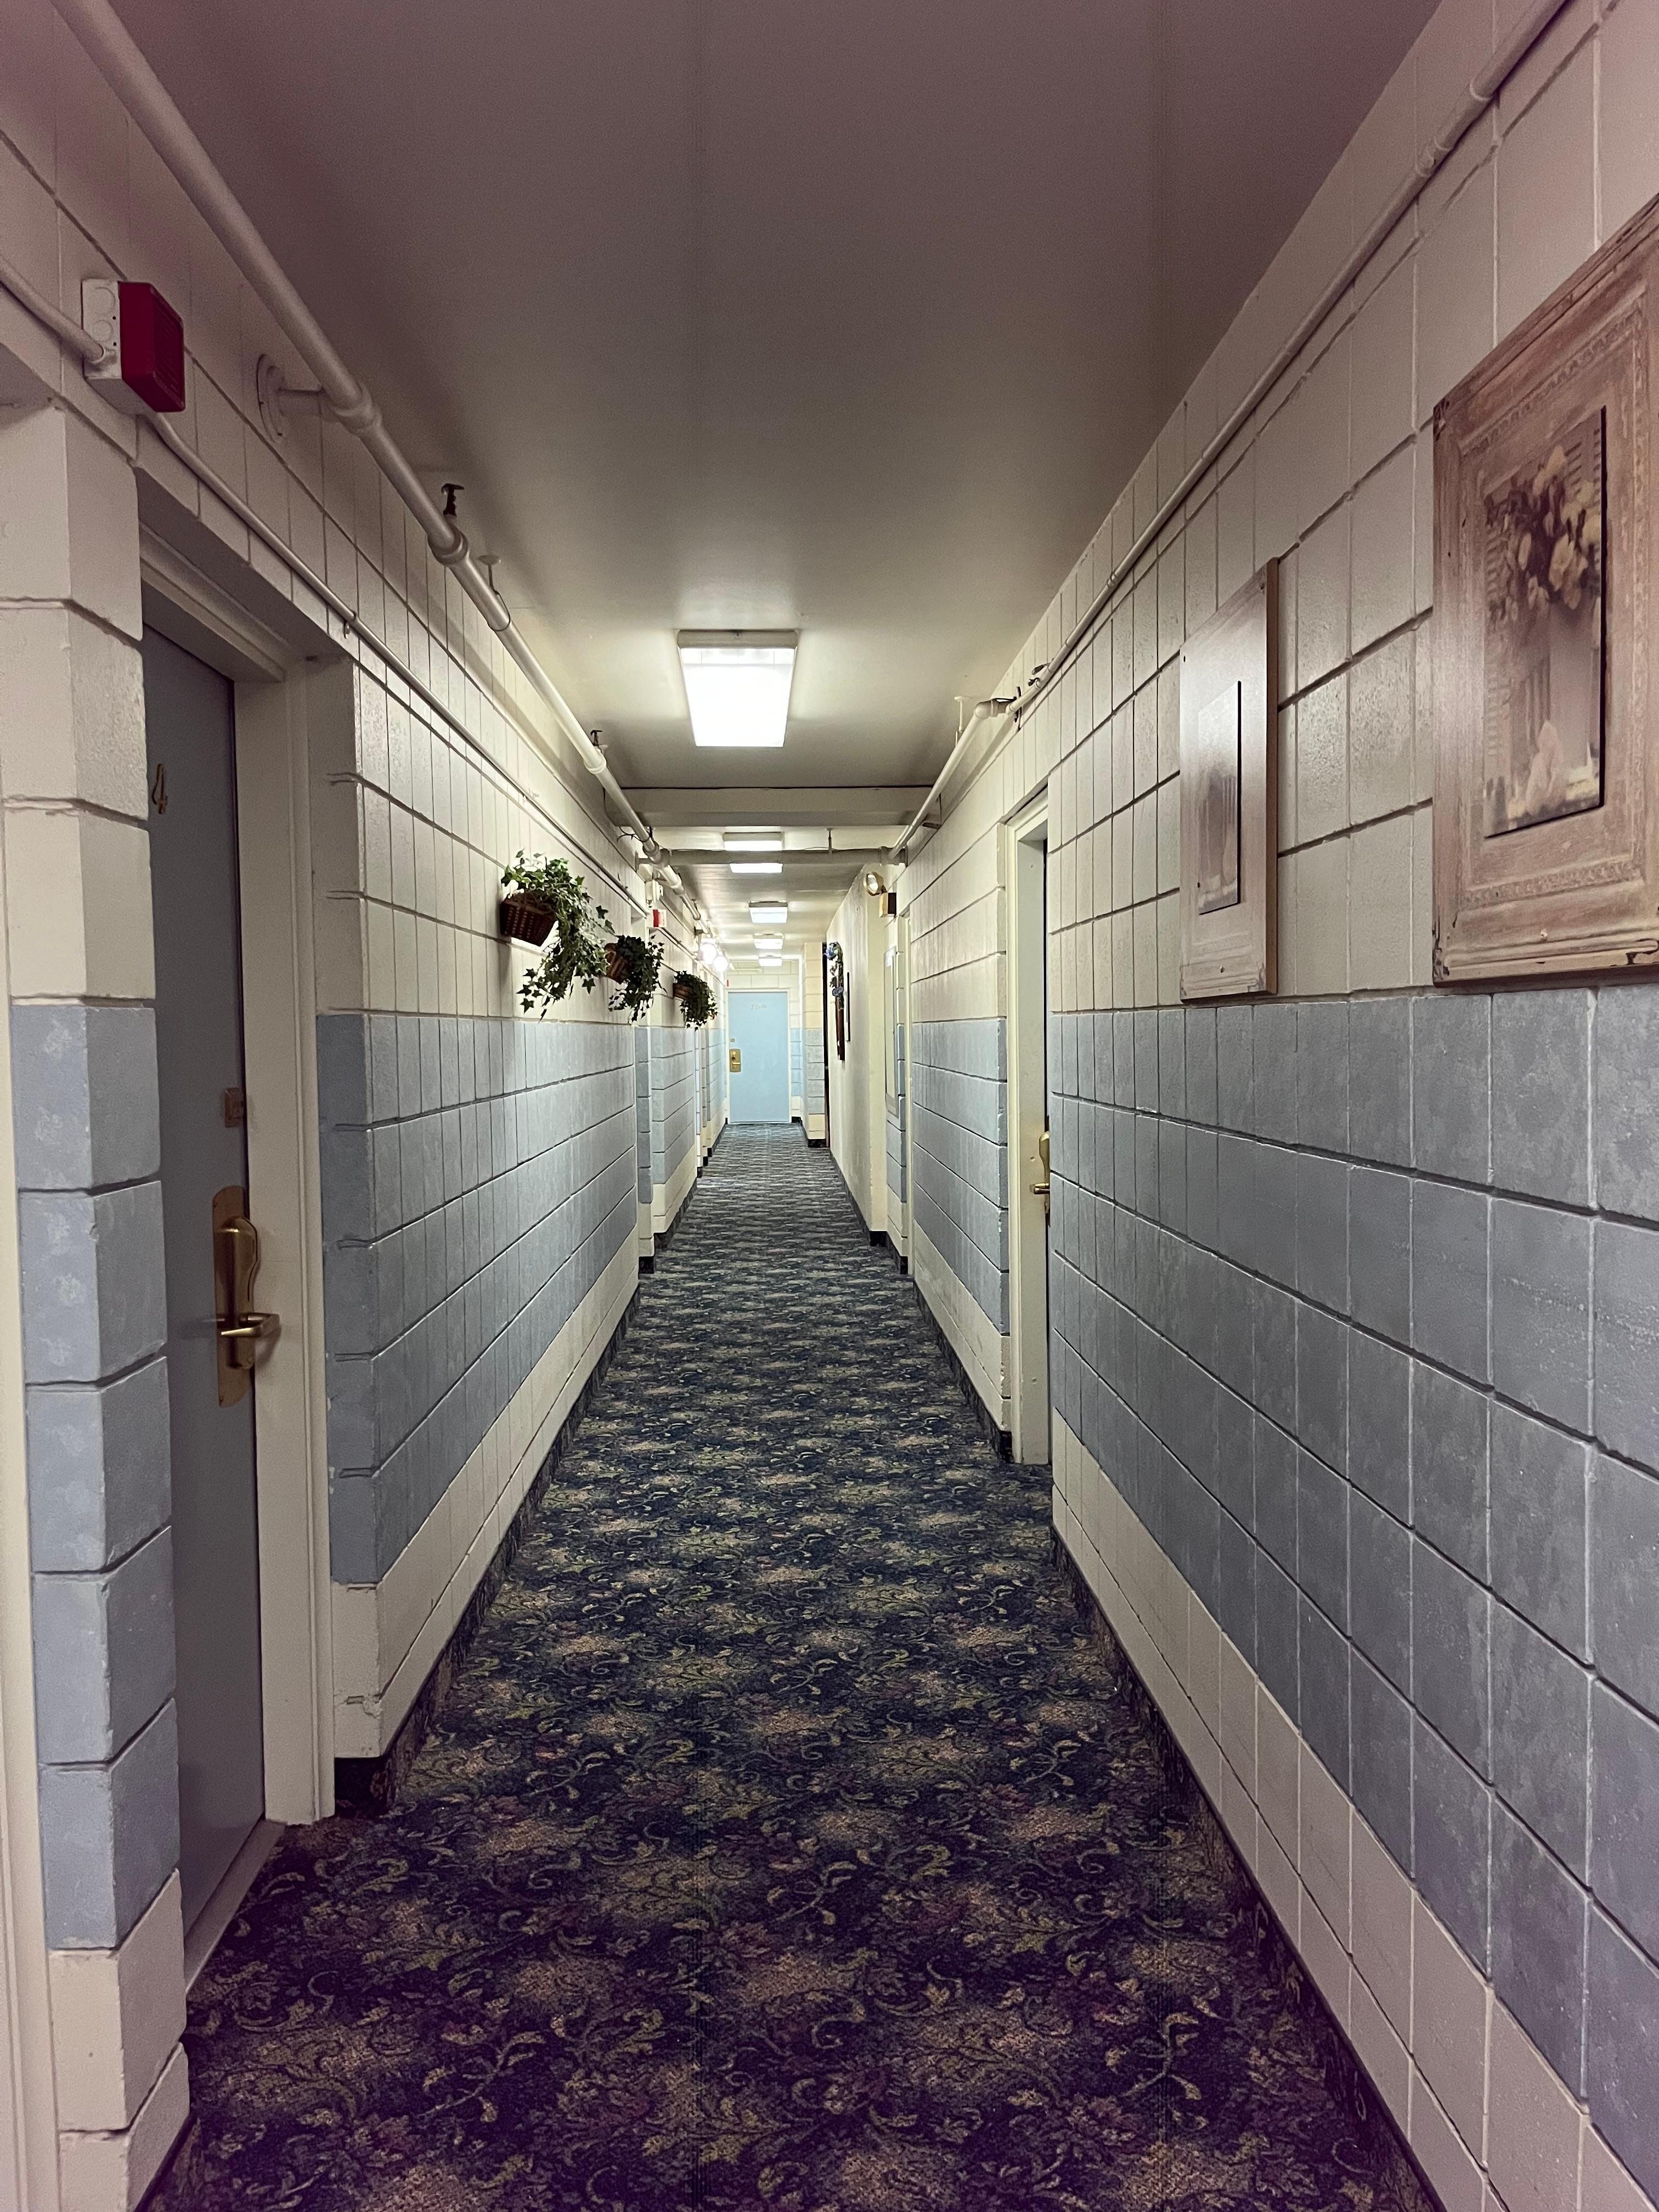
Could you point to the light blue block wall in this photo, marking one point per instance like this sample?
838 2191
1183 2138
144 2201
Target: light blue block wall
478 1177
1361 1316
86 1126
673 1098
958 1072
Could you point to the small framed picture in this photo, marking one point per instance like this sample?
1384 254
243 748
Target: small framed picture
1546 790
1229 796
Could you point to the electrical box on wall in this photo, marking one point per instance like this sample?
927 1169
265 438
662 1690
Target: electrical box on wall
144 342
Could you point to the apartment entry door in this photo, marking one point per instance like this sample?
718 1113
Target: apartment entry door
759 1056
190 733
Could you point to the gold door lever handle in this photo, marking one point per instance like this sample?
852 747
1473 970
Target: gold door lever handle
240 1326
1041 1189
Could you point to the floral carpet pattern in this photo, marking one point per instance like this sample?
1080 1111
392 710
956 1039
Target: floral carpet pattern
789 1841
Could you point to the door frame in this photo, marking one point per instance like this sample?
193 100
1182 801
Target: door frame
1025 841
281 702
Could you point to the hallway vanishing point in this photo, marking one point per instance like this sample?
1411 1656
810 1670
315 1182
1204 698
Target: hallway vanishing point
789 1840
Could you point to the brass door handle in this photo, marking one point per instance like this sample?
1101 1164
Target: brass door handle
241 1325
1041 1189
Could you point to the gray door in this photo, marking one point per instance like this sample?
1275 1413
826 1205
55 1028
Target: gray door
188 715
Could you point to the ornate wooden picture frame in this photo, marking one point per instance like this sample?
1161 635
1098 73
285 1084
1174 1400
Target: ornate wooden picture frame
1230 797
1546 789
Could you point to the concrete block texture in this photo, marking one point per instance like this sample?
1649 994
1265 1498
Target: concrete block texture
103 1654
85 1108
477 1176
109 1838
95 1297
100 1472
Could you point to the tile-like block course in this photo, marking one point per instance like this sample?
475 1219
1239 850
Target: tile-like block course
112 1837
957 1072
94 1288
99 1470
1539 1919
1626 1340
103 1654
85 1106
116 2017
461 1233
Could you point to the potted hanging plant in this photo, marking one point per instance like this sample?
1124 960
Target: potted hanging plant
696 998
547 903
634 966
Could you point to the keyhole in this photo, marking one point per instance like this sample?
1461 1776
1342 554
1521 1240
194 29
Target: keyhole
158 790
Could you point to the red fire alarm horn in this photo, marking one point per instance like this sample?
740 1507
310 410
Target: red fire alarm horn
142 364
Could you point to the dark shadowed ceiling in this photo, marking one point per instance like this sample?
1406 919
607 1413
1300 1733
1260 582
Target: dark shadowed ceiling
848 316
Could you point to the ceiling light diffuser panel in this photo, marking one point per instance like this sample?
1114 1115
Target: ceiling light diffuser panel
753 841
764 911
737 684
756 867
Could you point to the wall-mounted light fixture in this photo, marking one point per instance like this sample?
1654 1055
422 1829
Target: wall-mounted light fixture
737 684
873 884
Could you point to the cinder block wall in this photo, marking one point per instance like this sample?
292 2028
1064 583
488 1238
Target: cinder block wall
1356 1294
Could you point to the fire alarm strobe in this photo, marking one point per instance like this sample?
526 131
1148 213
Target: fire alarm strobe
143 341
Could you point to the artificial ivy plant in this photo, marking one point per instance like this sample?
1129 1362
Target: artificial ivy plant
575 951
696 997
634 966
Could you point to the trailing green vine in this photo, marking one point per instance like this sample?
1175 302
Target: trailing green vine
635 967
696 998
575 952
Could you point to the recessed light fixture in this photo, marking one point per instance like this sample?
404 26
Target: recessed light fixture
762 912
770 960
752 840
737 684
756 867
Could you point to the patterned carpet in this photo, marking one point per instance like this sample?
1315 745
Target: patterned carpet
789 1843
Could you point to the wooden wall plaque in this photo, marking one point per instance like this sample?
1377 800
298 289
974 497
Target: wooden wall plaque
1230 797
1546 787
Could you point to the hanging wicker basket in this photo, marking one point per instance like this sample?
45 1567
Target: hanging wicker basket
526 920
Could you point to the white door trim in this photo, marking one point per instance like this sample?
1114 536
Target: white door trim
277 697
1024 841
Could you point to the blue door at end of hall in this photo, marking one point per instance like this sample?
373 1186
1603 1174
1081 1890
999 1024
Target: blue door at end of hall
759 1042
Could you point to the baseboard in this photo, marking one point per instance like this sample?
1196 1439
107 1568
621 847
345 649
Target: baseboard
369 1787
1000 1439
1344 2074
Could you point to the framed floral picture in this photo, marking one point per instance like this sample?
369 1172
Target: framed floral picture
1229 796
1546 792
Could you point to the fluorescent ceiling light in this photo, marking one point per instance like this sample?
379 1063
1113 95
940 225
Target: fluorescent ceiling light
756 867
764 840
737 684
770 960
762 912
769 945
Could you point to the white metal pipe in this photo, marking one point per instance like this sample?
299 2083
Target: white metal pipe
895 852
1483 90
47 312
112 48
253 521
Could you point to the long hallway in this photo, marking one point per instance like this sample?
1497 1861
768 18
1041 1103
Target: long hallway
789 1839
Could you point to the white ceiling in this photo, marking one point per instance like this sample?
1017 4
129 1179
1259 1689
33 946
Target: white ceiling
848 316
